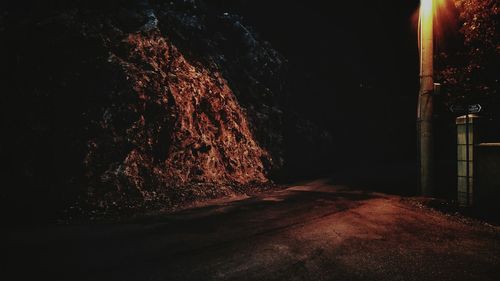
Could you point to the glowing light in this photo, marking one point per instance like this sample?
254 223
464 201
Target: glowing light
445 17
426 7
440 4
443 13
426 33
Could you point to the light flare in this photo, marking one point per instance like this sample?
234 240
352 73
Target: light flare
444 16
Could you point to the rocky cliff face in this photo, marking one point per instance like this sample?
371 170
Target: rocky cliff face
185 125
152 100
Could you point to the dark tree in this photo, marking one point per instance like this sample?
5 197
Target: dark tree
470 73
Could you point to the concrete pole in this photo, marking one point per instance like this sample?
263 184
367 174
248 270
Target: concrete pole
425 103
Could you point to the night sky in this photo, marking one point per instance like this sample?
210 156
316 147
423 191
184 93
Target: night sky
353 68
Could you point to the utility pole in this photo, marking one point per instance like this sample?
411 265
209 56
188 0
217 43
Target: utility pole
425 102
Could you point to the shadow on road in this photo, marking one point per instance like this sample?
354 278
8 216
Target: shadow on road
311 231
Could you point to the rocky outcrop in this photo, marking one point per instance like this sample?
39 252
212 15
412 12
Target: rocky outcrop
256 72
186 125
155 101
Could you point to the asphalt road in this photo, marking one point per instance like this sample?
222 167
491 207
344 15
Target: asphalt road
315 231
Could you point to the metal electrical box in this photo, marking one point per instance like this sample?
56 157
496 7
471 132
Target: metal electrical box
467 138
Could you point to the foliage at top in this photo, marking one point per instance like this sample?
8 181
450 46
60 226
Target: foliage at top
471 72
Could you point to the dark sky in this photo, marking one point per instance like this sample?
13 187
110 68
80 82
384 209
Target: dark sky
365 37
354 67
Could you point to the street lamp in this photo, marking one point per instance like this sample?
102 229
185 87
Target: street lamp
425 98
